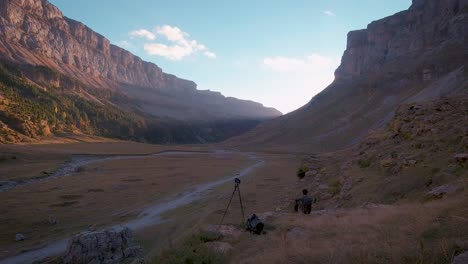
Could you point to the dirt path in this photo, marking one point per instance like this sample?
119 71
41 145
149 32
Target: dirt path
149 216
78 161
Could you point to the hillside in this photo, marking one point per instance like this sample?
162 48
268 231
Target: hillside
417 54
81 74
399 196
422 148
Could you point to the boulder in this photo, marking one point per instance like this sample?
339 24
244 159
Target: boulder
461 259
461 157
19 237
108 246
440 191
311 173
132 252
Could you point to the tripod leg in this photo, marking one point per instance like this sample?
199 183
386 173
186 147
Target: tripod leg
242 206
230 200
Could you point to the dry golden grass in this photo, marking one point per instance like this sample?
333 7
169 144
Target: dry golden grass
410 233
263 190
101 193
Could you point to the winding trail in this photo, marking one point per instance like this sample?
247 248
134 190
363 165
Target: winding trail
77 161
150 216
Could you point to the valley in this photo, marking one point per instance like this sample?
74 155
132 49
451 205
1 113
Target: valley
116 190
107 159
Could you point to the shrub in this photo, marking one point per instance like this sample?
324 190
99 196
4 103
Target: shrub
364 163
302 171
334 186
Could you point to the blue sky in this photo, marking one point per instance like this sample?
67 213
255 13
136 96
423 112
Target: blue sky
278 53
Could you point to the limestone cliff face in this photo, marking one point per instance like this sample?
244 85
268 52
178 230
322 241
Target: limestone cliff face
425 26
35 31
59 76
415 55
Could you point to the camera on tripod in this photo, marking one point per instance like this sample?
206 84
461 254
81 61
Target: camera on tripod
253 224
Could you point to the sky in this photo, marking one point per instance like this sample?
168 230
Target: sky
276 52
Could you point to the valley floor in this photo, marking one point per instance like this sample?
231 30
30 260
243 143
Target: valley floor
113 191
180 190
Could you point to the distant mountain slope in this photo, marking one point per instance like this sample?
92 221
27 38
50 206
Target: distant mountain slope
60 56
417 54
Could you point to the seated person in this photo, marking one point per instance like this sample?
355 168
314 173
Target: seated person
305 202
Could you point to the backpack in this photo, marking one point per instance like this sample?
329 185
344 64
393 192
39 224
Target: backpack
254 225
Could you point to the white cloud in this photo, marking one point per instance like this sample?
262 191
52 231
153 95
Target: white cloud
124 44
174 52
143 33
173 43
173 34
210 54
329 13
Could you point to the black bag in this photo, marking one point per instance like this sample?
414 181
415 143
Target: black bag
254 225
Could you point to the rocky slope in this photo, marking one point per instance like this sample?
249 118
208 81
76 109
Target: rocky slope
41 47
422 154
417 54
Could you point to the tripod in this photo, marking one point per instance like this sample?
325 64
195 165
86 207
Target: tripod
236 188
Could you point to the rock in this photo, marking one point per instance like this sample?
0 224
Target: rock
461 259
461 157
19 237
108 246
224 231
219 247
440 191
138 261
400 36
311 173
296 233
132 252
53 220
410 162
35 32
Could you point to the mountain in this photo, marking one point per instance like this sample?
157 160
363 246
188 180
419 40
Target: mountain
58 76
414 55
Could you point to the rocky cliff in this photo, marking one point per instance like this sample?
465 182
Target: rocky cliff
414 55
419 31
57 75
36 32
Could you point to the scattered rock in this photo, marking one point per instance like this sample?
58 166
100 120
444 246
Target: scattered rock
109 246
53 220
138 261
19 237
461 157
461 259
219 247
440 191
410 162
132 252
311 173
224 231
